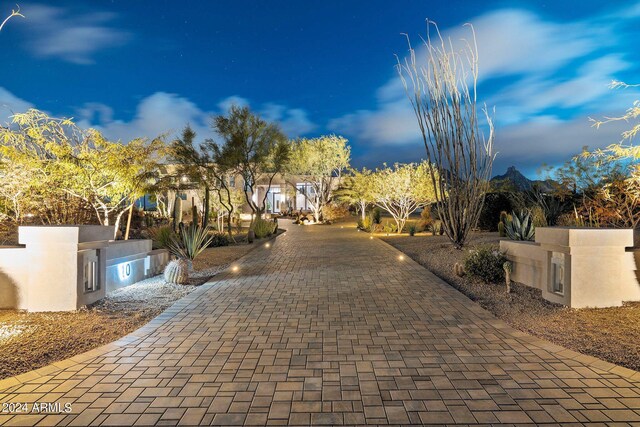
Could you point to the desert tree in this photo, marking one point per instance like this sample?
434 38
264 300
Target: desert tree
13 191
252 148
356 190
319 163
203 164
402 189
614 199
194 163
31 152
440 81
631 115
107 176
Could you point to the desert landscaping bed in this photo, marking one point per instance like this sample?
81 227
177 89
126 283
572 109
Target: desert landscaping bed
31 340
611 334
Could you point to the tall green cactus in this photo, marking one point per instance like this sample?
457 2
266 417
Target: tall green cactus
177 212
194 215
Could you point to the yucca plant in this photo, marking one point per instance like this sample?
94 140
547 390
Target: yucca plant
520 227
190 242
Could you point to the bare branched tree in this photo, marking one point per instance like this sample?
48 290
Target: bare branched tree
441 84
14 12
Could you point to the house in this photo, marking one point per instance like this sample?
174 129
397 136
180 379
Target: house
287 193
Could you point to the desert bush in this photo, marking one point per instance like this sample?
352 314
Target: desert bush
494 203
426 220
161 236
263 228
335 211
376 216
567 220
412 228
538 216
219 239
485 263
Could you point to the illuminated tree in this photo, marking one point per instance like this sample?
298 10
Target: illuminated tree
319 162
252 148
356 189
441 86
62 158
402 189
202 165
631 115
13 191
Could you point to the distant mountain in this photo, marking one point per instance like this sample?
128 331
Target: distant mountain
513 179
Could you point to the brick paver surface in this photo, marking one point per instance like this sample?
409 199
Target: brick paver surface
327 326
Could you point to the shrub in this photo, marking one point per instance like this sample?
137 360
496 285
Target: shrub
494 203
538 217
365 224
219 239
161 236
334 211
190 242
263 228
520 227
376 216
412 229
390 227
426 221
485 263
568 219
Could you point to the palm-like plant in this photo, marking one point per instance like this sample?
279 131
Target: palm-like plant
190 242
521 226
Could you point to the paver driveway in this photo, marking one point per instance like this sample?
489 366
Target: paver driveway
327 326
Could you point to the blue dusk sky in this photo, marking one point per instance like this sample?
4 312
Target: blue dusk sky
144 68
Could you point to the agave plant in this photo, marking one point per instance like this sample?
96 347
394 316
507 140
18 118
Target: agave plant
190 242
521 226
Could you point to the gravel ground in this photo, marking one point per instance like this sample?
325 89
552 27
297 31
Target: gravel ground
31 340
611 334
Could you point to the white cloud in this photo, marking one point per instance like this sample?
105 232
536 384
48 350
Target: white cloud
228 102
56 32
294 121
543 77
158 114
166 114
